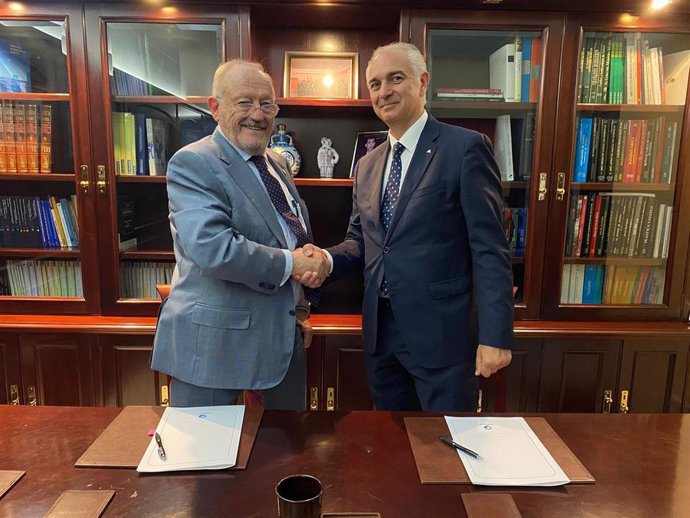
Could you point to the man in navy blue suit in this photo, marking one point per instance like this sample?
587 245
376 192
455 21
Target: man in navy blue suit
426 226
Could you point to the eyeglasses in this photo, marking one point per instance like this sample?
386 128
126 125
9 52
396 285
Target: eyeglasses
267 108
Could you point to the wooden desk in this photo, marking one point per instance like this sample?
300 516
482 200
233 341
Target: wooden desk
641 463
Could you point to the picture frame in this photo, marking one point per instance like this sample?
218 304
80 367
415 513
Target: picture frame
365 143
321 75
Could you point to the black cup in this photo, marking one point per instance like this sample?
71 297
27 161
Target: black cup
299 496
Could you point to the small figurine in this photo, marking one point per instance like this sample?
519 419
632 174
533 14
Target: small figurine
281 143
327 158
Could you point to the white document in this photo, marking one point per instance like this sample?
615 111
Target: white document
195 438
511 454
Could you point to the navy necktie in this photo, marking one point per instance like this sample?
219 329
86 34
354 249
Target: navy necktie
390 197
275 192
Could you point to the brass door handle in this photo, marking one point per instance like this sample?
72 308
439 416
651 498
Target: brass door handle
330 399
560 188
84 178
31 392
100 184
608 400
313 398
623 407
541 194
14 394
165 400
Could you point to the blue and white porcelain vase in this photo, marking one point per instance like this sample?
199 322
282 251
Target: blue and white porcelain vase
281 143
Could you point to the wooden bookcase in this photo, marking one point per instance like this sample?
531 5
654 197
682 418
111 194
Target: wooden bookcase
111 324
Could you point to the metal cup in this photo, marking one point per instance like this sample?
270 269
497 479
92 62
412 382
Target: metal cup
299 496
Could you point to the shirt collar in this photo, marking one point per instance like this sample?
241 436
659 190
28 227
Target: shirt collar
410 138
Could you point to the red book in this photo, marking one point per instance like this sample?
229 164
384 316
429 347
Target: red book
595 227
581 230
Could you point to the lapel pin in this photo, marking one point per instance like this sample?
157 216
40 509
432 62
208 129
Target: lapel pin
428 151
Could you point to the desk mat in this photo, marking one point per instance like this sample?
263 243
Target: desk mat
490 505
80 504
8 479
439 464
124 441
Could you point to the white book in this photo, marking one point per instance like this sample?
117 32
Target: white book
565 283
518 69
503 148
676 68
668 220
502 71
578 283
659 228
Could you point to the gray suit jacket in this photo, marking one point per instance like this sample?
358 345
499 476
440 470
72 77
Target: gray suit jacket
227 322
445 256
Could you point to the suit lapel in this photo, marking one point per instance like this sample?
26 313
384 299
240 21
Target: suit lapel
245 178
424 152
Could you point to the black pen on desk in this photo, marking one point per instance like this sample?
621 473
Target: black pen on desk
159 442
451 442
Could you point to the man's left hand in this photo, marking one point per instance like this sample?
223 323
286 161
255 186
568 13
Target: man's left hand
491 359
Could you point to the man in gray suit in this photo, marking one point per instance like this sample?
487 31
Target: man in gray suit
232 319
426 226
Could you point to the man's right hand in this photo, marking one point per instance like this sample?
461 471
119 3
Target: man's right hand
310 266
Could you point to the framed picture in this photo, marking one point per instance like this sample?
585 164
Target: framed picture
320 75
365 143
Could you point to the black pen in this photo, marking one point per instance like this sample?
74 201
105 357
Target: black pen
161 450
451 442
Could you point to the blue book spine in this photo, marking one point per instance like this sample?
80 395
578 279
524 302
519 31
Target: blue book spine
589 289
584 136
41 222
141 144
50 223
599 284
526 69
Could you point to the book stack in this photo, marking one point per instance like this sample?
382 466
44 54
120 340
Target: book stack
470 94
20 134
515 69
141 145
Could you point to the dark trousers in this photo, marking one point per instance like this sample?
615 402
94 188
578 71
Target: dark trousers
397 382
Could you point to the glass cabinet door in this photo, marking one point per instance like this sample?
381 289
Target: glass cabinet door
41 262
157 78
493 81
620 212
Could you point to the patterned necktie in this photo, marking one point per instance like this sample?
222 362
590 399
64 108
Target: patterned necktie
275 192
390 197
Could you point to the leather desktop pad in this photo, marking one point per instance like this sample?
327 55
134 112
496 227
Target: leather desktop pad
439 464
124 441
8 479
80 504
490 505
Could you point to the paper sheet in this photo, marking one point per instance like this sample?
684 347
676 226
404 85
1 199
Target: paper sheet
511 454
195 438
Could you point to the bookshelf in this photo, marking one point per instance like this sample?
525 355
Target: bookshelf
81 86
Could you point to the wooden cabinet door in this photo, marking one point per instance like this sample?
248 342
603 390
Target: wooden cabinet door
515 388
576 374
10 378
653 373
57 369
344 377
127 378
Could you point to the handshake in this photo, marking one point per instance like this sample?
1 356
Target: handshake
310 265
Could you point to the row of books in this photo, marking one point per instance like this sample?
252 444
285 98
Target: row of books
515 228
39 222
618 225
513 146
618 68
609 149
612 284
138 279
44 278
515 69
140 144
123 83
25 137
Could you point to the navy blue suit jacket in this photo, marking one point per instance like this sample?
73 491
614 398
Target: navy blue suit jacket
445 255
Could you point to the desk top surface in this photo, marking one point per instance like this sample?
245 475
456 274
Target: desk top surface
641 464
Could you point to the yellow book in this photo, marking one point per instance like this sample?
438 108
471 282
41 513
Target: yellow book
130 144
62 237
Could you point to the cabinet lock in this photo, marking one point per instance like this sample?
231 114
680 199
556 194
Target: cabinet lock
560 188
165 400
14 394
84 178
313 398
330 399
101 179
608 399
623 408
541 195
31 392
